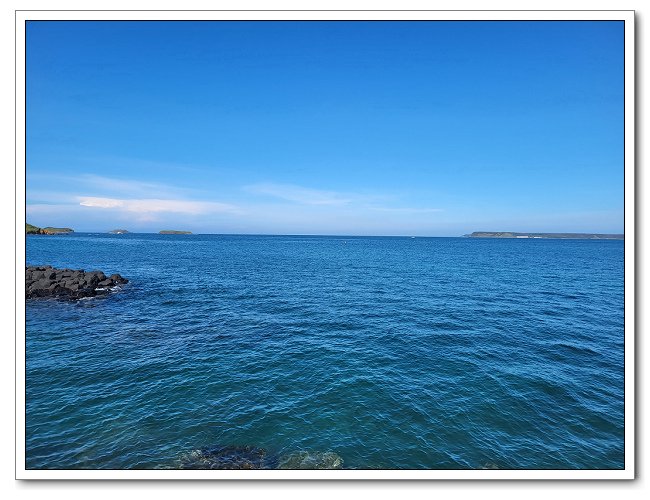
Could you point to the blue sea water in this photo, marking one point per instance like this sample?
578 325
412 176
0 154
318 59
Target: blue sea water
394 353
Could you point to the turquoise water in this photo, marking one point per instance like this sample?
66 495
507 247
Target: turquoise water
400 353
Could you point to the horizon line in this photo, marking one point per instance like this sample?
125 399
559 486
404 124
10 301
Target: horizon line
410 235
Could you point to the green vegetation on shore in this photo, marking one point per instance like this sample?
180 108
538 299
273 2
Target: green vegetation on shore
31 229
167 231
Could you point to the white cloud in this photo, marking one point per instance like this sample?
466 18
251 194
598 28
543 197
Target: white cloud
299 194
154 205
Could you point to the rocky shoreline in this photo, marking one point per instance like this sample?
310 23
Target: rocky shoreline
46 281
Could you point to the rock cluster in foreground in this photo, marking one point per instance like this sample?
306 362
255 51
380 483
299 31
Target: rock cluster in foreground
46 281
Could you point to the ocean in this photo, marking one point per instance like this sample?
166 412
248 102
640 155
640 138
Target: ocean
357 352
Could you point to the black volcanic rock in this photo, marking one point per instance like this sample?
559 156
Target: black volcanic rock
45 281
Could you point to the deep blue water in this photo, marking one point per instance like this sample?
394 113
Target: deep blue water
424 353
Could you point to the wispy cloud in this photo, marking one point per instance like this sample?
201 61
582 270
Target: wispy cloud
47 208
100 185
129 187
154 205
39 196
127 196
92 200
299 194
351 202
406 210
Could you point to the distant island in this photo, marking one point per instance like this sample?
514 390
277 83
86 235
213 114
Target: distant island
565 236
175 232
30 229
118 231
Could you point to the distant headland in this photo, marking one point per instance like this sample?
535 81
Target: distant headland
565 236
30 229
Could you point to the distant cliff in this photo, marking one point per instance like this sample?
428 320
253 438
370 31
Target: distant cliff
30 229
175 232
118 231
566 236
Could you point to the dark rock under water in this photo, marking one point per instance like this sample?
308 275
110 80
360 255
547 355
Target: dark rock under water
250 457
227 457
311 460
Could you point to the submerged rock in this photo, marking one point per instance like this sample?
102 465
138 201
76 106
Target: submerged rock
250 457
46 281
227 457
311 460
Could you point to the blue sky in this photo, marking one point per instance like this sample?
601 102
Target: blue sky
384 128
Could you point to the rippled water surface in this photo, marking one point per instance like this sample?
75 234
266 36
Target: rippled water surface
418 353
